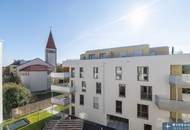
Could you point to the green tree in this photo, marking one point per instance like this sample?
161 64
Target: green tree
14 95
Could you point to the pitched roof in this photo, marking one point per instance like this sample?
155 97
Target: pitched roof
50 42
36 68
36 61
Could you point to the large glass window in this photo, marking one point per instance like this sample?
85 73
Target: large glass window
98 88
95 72
142 111
142 73
118 73
118 106
146 93
122 90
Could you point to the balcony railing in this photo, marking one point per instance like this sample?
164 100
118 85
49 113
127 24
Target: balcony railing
62 88
172 105
60 75
180 81
60 100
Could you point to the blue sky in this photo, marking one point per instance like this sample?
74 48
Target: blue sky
80 25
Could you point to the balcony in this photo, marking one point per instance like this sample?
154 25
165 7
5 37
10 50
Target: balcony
172 105
182 81
60 100
62 88
60 75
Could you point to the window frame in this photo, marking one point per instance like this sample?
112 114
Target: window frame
146 95
81 72
147 125
140 112
95 72
81 102
118 107
95 102
122 92
117 73
98 90
141 72
72 72
83 85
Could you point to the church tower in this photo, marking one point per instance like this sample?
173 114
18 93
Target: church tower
51 51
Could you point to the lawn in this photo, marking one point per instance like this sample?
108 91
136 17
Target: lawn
37 119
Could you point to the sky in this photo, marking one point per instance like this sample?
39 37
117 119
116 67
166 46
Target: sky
80 25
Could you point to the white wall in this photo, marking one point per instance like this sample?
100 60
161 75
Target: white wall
51 57
35 80
159 70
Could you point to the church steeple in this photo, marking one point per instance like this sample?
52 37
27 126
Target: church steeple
50 42
51 51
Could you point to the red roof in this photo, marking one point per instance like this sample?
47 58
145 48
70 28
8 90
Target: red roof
36 68
50 42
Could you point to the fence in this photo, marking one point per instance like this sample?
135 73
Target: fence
29 108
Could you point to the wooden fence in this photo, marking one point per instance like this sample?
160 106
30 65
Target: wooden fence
29 108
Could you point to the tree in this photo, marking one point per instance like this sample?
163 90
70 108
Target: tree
14 95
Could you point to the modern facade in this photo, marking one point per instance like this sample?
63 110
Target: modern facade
135 87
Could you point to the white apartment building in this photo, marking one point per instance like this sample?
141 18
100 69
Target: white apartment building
128 88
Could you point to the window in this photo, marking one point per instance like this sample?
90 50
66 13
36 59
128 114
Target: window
83 86
142 73
118 73
98 88
147 127
60 81
186 90
72 110
92 56
72 83
72 72
81 69
81 99
95 72
146 93
95 103
142 111
122 90
102 55
185 69
72 98
118 107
